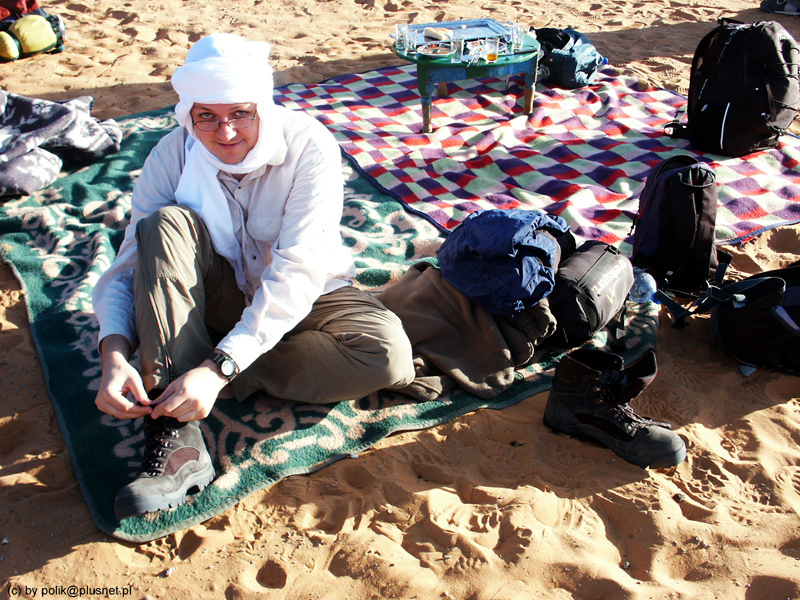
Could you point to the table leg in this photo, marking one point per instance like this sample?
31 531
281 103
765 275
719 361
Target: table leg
425 87
528 104
442 89
530 86
427 103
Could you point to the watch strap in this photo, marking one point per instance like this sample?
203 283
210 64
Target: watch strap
226 366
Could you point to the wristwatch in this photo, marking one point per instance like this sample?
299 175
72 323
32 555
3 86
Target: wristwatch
226 366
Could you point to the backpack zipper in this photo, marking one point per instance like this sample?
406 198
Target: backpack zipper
719 60
722 129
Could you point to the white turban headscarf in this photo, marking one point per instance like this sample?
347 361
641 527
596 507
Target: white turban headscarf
223 68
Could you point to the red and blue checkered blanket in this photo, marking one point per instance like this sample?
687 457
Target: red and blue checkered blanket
583 154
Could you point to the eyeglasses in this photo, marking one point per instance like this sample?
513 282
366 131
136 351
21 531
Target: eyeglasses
237 123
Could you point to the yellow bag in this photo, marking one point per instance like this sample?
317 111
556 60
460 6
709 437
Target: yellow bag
31 34
9 47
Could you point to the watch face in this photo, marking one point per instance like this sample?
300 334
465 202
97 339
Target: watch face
227 368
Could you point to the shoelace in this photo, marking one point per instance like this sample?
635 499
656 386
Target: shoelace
638 421
157 440
625 412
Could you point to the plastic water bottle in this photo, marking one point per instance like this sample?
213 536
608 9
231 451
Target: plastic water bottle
644 286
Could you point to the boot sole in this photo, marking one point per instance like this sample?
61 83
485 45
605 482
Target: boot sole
581 430
128 506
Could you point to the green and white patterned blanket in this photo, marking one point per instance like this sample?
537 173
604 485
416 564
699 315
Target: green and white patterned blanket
59 241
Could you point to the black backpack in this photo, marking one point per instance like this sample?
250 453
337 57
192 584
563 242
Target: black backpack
757 319
674 229
590 291
743 89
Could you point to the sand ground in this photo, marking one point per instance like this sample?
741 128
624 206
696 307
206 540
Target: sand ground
455 511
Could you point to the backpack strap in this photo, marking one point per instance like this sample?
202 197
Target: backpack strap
716 293
684 210
677 129
785 319
617 330
723 262
737 293
774 103
679 313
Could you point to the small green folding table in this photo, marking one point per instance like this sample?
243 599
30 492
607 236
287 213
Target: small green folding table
432 70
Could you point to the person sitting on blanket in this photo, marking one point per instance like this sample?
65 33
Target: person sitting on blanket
233 277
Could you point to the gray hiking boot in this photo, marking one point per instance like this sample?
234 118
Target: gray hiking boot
175 461
590 396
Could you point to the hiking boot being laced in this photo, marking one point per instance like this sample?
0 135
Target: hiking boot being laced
590 396
175 461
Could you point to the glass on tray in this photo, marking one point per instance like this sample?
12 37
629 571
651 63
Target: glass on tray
517 37
492 48
411 39
457 47
400 36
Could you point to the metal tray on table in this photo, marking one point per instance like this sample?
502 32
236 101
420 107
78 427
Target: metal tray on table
469 29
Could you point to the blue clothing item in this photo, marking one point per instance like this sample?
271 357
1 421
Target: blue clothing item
781 7
570 60
503 260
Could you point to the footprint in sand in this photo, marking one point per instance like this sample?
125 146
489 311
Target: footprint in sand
141 33
204 538
386 566
207 537
432 473
269 576
80 8
772 587
12 338
791 479
684 14
588 17
792 549
449 536
352 509
13 437
745 505
694 376
124 17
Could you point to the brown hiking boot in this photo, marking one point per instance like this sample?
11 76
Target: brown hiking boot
590 396
175 462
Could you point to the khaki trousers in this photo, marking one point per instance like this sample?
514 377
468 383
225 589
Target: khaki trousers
186 300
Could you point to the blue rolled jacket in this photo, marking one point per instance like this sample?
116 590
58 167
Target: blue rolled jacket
503 260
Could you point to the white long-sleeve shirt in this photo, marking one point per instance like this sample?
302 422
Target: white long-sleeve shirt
286 218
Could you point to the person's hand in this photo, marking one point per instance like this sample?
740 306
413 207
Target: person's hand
122 392
192 395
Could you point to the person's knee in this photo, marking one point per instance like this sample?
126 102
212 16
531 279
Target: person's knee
173 242
174 233
400 362
172 217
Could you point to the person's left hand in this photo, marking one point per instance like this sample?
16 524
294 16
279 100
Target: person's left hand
192 395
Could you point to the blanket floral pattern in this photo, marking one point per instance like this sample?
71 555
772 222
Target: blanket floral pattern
60 239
